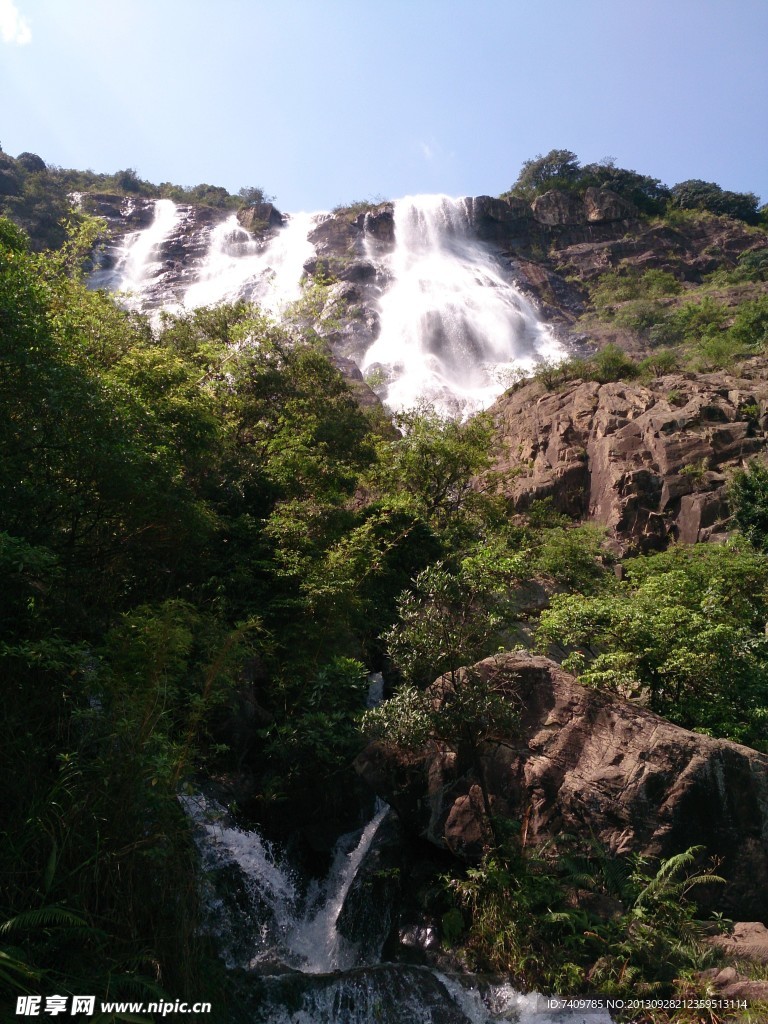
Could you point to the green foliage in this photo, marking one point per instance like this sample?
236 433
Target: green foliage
616 286
659 363
648 194
610 363
706 195
749 329
530 914
748 496
36 195
356 207
443 623
254 195
751 266
572 557
685 632
558 169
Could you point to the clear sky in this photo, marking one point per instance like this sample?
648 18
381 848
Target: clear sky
328 101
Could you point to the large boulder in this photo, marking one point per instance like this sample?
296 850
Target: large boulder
559 208
649 462
260 217
603 205
588 763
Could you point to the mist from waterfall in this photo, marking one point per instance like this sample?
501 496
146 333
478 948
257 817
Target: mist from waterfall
237 266
455 330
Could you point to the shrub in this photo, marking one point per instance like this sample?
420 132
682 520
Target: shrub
695 194
610 364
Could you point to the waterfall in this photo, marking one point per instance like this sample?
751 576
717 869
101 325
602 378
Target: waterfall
454 329
297 924
238 266
139 261
282 932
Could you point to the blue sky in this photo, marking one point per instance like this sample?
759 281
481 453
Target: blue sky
327 101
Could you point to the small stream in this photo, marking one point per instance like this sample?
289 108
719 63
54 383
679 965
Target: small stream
281 935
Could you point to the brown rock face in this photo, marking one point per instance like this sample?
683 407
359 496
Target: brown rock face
557 207
585 762
260 218
689 250
602 205
648 462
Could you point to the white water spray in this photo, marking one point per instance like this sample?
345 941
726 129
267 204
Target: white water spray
454 330
303 933
238 266
140 262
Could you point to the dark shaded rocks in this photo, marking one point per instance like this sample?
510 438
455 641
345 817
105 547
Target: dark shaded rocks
586 763
379 223
506 221
122 213
369 912
385 993
649 462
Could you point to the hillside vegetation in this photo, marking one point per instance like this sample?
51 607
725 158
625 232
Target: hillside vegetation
206 545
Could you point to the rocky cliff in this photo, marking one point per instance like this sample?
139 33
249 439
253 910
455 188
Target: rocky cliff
650 462
585 762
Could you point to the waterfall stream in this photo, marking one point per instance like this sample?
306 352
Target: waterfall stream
238 267
139 261
453 328
280 931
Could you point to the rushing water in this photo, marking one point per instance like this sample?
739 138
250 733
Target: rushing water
140 260
239 267
454 329
283 931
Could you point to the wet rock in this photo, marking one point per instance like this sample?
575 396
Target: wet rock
380 223
386 994
369 912
586 762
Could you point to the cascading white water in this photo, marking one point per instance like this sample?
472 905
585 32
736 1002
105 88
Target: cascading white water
302 932
239 267
138 263
332 987
314 936
454 329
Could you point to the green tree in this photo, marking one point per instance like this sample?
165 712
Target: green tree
558 169
748 495
684 631
695 194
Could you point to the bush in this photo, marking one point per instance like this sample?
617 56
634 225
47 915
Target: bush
695 194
